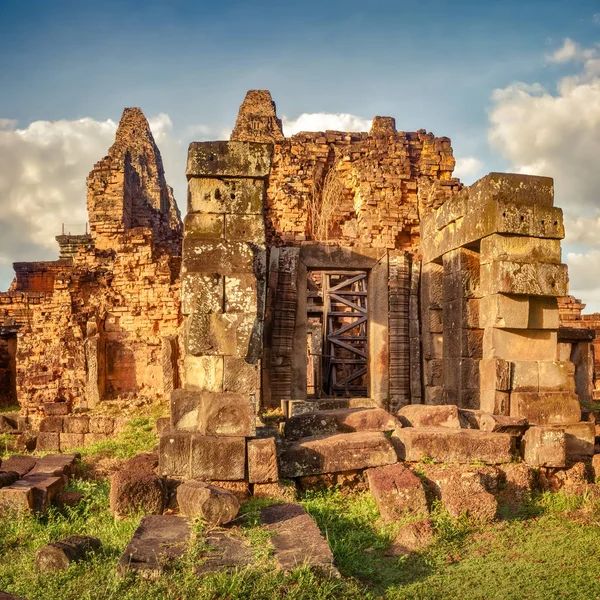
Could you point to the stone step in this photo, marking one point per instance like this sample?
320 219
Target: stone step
296 539
34 492
156 543
341 420
55 464
415 444
225 551
336 453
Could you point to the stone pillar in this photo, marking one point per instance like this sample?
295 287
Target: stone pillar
432 277
223 296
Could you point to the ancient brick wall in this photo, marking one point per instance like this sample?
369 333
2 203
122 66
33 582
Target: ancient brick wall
93 324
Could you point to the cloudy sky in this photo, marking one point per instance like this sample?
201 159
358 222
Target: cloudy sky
514 83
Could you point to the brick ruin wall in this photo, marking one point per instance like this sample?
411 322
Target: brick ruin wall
101 321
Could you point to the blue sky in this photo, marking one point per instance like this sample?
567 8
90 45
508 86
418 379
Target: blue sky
430 64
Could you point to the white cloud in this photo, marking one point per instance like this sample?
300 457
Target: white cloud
557 133
323 122
596 18
468 169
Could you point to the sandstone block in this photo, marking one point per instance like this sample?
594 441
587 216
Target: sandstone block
57 556
262 461
513 187
56 409
503 311
494 373
286 492
516 483
204 226
215 458
534 279
55 464
204 256
229 159
397 491
245 228
76 424
48 442
296 539
203 373
342 452
544 447
71 440
494 401
447 445
546 408
548 222
465 493
434 395
543 313
34 492
175 453
51 425
433 372
214 505
580 440
525 376
220 414
94 438
157 542
18 464
240 376
339 420
418 415
596 467
202 292
225 195
516 344
519 249
104 425
557 376
136 487
240 489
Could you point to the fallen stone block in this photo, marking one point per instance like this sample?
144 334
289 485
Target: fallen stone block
580 440
137 488
7 478
296 539
262 461
477 419
351 480
174 453
240 489
544 446
56 464
226 551
412 537
546 408
446 445
420 415
573 480
31 493
156 543
19 464
68 499
342 452
397 491
214 505
344 420
57 556
516 483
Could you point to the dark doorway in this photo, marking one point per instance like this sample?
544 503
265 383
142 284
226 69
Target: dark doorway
337 350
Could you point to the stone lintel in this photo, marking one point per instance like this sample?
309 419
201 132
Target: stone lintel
229 159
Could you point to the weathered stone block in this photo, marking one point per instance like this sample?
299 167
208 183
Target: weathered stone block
262 461
218 458
51 425
525 376
519 249
203 256
19 464
494 373
99 424
545 447
557 376
56 409
463 343
48 442
210 334
535 279
223 195
71 440
580 440
447 445
175 453
57 556
220 414
495 402
214 505
548 222
244 293
513 187
419 415
546 408
229 159
203 373
204 226
412 537
240 376
342 452
397 491
517 344
434 395
500 310
55 464
543 313
34 492
76 424
433 372
245 228
432 286
202 293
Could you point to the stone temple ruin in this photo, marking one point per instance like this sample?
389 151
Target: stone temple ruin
346 279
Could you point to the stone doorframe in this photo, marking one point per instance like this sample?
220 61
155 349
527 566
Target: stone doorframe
329 258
